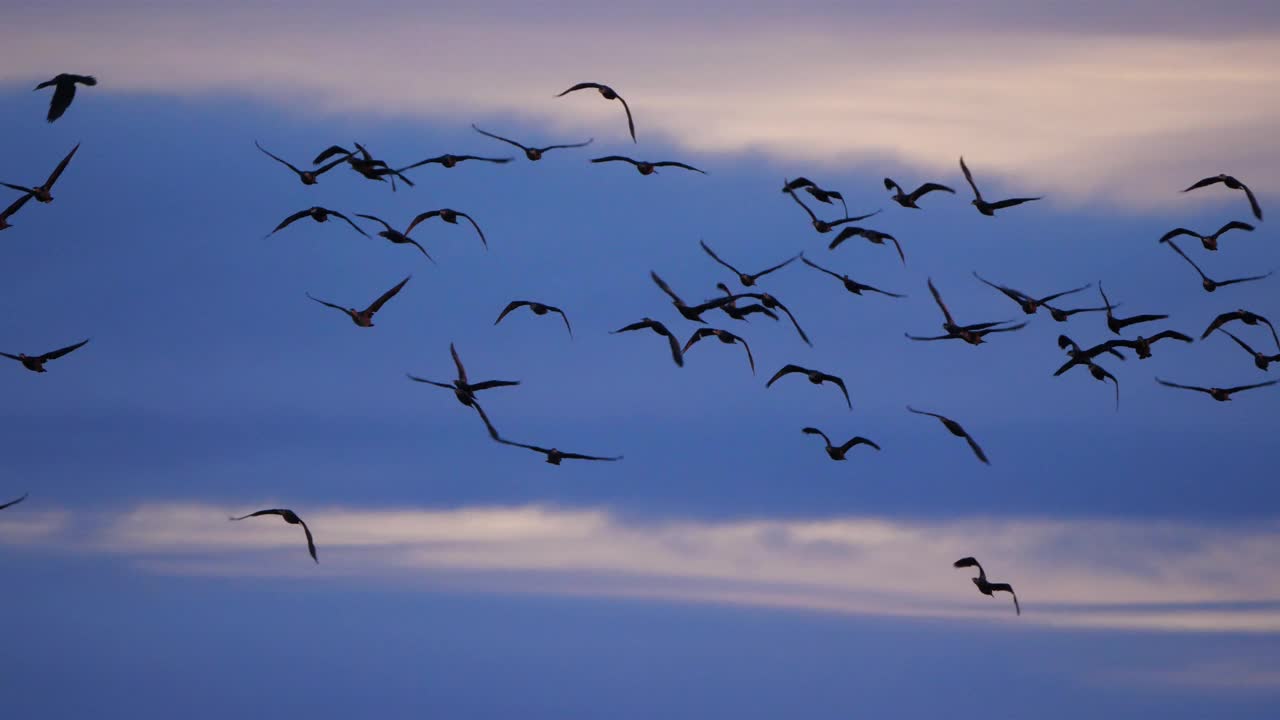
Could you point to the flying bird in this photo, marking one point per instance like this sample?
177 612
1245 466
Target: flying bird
1098 372
1029 304
1060 315
874 236
851 285
1232 184
1079 356
989 208
694 312
973 334
11 503
1116 324
744 278
538 309
64 91
397 237
363 162
532 153
44 193
741 312
1208 283
838 452
308 177
1210 242
650 324
772 303
1219 394
955 429
607 93
318 214
646 167
1142 345
723 336
816 377
1244 316
463 389
35 363
292 518
987 588
908 200
364 318
555 456
12 210
450 216
1261 360
817 193
449 161
826 226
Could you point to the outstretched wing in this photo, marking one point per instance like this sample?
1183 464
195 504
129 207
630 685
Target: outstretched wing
1197 388
673 163
1204 183
348 221
277 158
420 218
665 288
272 511
11 503
382 300
327 303
839 382
927 188
457 363
977 449
331 151
716 257
968 176
415 378
292 219
1177 232
514 304
786 370
584 86
57 172
479 232
1251 278
816 431
1253 201
1010 202
499 137
937 298
614 158
55 354
311 543
1240 388
1006 587
859 440
377 220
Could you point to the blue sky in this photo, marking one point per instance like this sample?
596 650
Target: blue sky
726 565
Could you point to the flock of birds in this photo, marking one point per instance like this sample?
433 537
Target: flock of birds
736 305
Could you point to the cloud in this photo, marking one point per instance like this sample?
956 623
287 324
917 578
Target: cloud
1090 573
1080 113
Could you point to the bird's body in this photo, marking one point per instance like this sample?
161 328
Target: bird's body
64 91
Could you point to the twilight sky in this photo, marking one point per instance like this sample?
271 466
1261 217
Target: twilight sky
726 566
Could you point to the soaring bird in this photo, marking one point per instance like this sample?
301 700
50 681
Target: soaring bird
1233 184
449 161
11 503
44 193
308 177
908 200
35 363
650 324
1060 315
1142 345
646 167
742 312
875 237
555 456
397 237
450 216
1244 316
826 226
851 285
723 336
1029 304
10 211
292 518
972 334
1261 360
318 214
1116 324
364 318
955 429
744 278
989 208
607 93
694 312
363 162
1210 242
987 588
1217 393
463 389
532 153
538 309
837 452
772 303
816 192
64 91
1079 356
1208 283
816 377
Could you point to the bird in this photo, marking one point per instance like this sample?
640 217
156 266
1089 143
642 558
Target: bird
1079 356
955 429
1208 283
35 363
1060 315
743 278
826 226
397 237
64 91
450 216
818 193
607 93
650 324
308 177
533 153
1142 345
838 452
364 318
44 193
11 503
363 162
1217 393
1029 304
537 308
694 312
554 455
463 389
1116 324
908 200
1098 372
646 167
317 213
723 336
1261 360
1244 316
449 161
816 377
292 518
10 211
1210 242
1233 184
987 588
851 285
989 208
874 236
741 312
772 303
972 334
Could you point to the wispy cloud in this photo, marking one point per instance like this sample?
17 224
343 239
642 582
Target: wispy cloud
1079 113
1099 574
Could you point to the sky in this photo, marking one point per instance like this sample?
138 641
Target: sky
725 566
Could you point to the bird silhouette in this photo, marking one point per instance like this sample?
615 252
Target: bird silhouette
1261 360
814 376
397 237
532 153
990 208
450 216
308 177
851 285
538 309
955 429
364 318
292 518
838 452
650 324
1116 324
826 226
908 200
35 363
646 167
816 192
607 93
1208 283
723 336
1210 242
463 389
44 192
689 312
318 214
1217 393
875 237
988 588
1233 184
64 91
747 280
1029 304
1244 316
